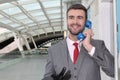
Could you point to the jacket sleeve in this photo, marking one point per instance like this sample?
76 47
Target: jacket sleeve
49 70
104 58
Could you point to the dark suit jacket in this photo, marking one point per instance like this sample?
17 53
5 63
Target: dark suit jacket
86 68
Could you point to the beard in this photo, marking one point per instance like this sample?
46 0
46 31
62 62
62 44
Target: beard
75 32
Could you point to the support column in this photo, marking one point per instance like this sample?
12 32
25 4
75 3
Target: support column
66 33
26 43
65 17
19 43
34 43
116 36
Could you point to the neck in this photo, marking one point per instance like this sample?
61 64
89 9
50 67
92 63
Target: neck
73 37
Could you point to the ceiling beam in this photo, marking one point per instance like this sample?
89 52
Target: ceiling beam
27 14
43 9
61 15
72 1
8 27
11 18
33 27
6 1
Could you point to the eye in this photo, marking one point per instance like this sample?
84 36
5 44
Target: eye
70 17
80 17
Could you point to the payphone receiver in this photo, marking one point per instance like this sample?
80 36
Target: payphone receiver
88 25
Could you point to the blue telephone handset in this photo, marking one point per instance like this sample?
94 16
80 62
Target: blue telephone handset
88 25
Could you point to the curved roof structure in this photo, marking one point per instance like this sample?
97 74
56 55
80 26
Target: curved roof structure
32 17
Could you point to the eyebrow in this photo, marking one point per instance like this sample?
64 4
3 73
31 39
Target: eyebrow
77 16
71 16
80 16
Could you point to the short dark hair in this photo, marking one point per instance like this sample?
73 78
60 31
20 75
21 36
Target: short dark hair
78 6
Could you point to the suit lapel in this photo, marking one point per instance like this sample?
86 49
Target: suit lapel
65 52
66 56
81 57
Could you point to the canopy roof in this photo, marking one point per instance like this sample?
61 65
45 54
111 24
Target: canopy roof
32 17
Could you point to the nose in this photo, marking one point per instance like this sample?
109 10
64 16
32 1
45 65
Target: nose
75 20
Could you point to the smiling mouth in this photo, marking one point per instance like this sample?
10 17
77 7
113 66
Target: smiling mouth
75 26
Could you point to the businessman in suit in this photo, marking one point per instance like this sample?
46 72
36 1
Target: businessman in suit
92 54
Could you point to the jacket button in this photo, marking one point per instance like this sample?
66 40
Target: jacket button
75 68
75 76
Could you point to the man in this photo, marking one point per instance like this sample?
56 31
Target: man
92 53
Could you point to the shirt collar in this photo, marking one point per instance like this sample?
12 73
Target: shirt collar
70 41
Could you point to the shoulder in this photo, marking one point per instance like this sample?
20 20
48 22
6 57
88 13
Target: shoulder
58 45
97 42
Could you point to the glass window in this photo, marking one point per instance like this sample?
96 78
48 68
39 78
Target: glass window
11 11
30 7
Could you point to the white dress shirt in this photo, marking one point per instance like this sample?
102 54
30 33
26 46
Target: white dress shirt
71 47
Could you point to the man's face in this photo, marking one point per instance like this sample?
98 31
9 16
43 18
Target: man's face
76 20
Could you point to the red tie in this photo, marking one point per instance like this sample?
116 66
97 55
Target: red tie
76 51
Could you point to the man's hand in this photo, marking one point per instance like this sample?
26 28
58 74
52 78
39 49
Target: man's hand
86 42
63 75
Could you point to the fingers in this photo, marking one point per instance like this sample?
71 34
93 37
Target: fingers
92 33
63 75
87 41
67 75
88 32
59 76
62 72
54 76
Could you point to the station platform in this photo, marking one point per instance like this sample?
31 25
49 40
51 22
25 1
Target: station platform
29 68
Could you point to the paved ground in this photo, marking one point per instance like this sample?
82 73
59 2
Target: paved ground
30 68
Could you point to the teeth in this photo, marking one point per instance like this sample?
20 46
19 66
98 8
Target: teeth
75 26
